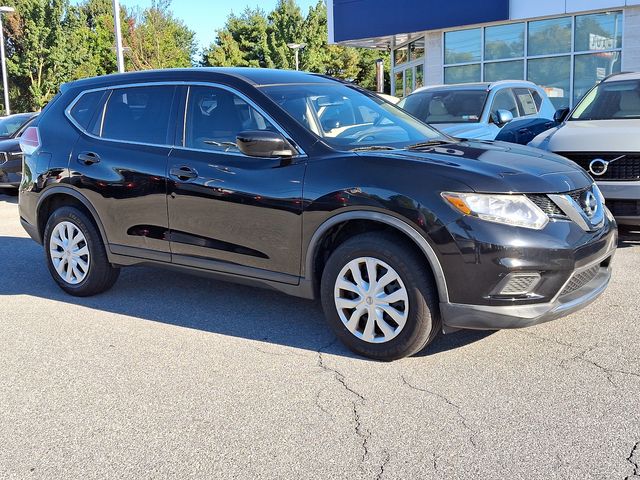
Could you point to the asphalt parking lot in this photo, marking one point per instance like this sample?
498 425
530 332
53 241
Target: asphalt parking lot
168 375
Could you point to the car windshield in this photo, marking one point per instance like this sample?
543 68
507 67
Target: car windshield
348 119
610 101
10 125
446 106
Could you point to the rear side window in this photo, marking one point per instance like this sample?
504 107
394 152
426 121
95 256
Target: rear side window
139 114
85 108
526 101
537 98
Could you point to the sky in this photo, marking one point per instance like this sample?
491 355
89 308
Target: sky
206 16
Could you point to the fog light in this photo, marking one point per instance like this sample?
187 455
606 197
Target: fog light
517 284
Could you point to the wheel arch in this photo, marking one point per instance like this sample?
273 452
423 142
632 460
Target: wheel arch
59 196
387 221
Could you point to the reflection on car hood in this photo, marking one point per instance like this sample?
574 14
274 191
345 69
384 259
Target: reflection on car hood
467 130
497 167
10 145
592 136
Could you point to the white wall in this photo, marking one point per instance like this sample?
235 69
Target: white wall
520 9
631 40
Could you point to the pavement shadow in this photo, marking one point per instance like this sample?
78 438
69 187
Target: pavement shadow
8 196
628 236
183 300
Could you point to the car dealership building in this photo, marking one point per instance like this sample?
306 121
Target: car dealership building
565 46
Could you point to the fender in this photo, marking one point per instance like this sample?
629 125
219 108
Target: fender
66 190
392 221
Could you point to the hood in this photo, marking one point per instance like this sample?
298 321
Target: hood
592 136
478 131
498 167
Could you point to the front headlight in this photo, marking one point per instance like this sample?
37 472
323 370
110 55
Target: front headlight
516 210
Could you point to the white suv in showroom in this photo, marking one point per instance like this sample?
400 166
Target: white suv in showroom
602 135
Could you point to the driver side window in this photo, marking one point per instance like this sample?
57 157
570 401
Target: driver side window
216 116
504 100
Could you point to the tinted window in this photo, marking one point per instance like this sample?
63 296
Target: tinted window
550 36
462 46
216 116
84 109
442 106
139 114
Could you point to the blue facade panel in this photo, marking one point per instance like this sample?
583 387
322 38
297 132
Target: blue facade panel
360 19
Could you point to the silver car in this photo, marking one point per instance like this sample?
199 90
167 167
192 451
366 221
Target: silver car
601 135
478 110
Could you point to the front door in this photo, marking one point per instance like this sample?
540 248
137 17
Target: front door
227 211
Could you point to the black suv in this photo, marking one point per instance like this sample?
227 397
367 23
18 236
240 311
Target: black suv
313 187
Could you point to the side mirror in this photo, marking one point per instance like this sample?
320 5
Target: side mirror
264 144
561 114
502 117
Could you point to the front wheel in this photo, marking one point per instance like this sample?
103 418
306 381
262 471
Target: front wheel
76 255
379 297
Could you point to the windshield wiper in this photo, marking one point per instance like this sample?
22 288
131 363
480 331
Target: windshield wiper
373 147
428 143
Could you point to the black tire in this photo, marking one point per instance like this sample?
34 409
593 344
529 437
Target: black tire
423 320
101 274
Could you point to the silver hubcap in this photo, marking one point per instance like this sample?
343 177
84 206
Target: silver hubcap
69 253
371 299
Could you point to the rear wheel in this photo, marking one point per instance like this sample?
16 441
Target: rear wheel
76 255
379 297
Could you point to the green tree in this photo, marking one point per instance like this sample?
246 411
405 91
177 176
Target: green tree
156 39
38 51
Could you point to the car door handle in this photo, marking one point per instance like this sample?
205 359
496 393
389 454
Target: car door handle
88 158
183 173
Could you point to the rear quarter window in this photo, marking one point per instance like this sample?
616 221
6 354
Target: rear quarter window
85 108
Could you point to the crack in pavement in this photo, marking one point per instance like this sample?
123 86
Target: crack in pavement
362 433
634 463
458 408
383 465
607 370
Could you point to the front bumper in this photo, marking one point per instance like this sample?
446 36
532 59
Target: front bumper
493 317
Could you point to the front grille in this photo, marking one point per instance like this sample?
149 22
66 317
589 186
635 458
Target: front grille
625 168
579 280
624 208
546 204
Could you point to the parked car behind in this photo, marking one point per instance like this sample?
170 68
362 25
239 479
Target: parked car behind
245 175
11 128
602 135
478 110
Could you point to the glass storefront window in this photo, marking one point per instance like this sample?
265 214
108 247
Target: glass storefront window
553 75
601 31
513 70
504 41
590 69
419 76
462 74
408 81
462 46
401 55
548 37
399 86
416 49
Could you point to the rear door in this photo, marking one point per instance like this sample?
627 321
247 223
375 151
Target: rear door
120 164
227 211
